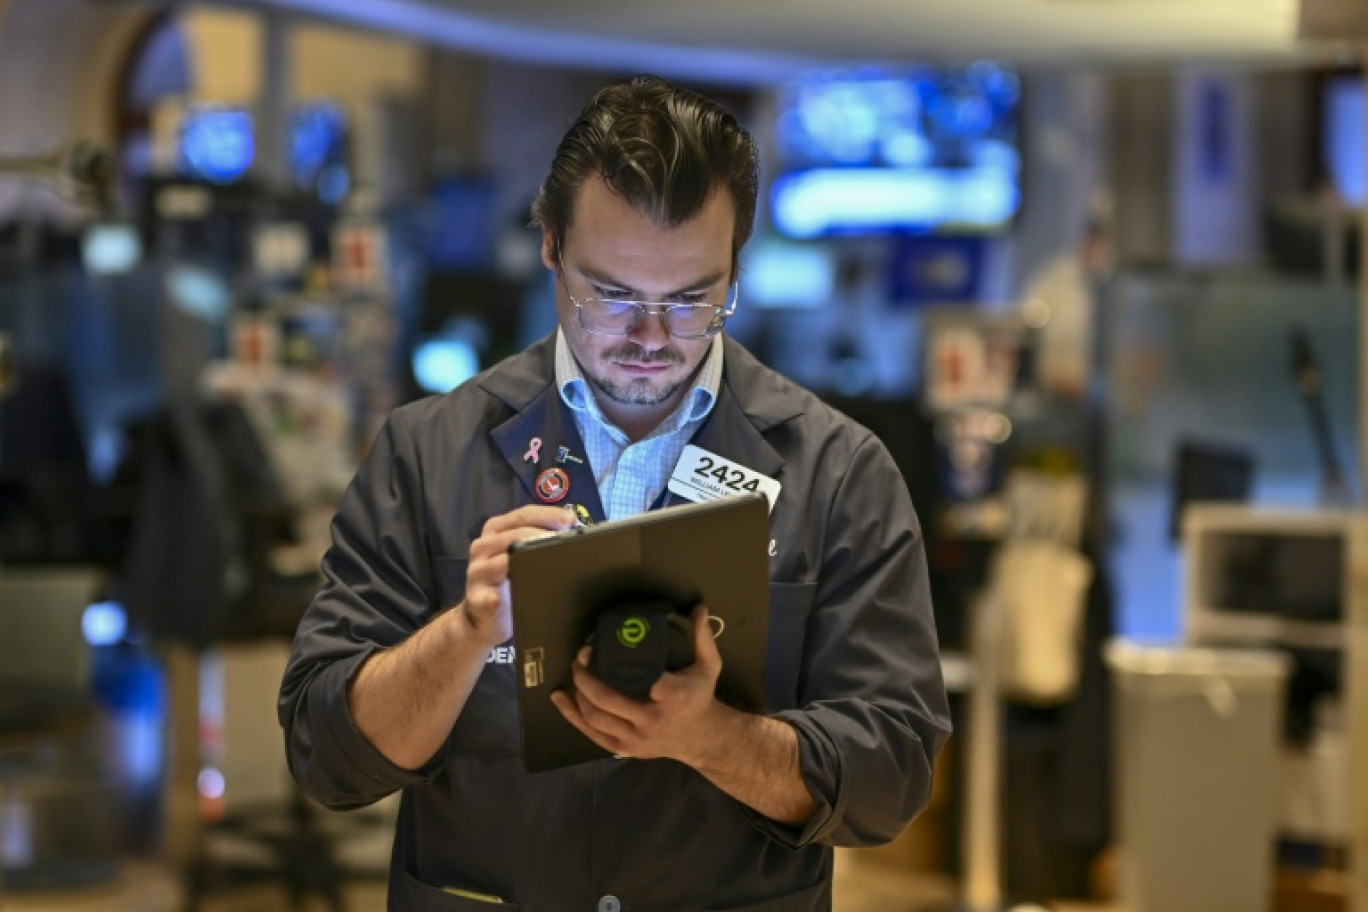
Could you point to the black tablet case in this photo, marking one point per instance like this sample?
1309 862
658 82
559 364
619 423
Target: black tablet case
715 553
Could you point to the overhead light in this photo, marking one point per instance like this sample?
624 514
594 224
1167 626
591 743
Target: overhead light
549 46
104 623
111 248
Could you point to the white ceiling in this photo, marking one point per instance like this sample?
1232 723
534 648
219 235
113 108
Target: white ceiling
759 39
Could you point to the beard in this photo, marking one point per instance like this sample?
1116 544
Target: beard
642 390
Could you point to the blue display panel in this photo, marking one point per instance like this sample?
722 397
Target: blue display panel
217 143
316 137
777 273
442 363
875 150
1342 138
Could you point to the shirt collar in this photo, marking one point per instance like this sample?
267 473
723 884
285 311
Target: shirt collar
576 393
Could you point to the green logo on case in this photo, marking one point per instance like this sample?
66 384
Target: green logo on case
633 631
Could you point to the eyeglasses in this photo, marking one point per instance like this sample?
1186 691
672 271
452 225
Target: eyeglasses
606 316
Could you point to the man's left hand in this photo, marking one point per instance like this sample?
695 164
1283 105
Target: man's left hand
675 723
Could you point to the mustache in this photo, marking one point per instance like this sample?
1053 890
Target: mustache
638 355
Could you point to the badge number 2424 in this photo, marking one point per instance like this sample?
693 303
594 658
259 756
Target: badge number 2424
702 476
729 475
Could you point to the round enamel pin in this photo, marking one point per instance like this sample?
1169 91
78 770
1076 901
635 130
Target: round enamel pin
552 485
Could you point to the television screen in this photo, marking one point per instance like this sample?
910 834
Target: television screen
875 151
778 274
216 143
1342 140
1205 472
467 320
316 134
936 270
460 221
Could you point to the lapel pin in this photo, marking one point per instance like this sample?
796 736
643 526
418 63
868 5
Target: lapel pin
533 454
552 485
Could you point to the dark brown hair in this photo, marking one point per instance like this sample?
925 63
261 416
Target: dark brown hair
663 149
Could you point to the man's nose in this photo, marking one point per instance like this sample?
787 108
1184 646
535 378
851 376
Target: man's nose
650 331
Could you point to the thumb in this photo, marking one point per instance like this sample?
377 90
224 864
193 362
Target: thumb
705 647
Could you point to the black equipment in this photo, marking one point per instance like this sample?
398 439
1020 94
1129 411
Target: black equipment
634 644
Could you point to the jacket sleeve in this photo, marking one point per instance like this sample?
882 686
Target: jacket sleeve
872 714
376 583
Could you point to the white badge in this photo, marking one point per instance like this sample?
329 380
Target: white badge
702 476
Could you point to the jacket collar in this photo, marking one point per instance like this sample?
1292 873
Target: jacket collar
518 380
769 398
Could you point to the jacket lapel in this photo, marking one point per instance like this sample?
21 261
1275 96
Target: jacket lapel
730 434
736 433
541 438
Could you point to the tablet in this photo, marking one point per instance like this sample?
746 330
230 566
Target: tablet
715 553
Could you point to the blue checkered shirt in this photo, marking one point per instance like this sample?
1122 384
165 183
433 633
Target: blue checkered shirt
630 476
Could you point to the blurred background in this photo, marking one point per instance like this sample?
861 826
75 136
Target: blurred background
1090 268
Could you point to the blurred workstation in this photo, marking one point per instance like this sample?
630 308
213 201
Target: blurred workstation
1091 271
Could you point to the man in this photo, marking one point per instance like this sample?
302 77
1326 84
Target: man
400 676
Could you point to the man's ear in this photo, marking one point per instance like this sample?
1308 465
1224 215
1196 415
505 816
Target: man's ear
548 251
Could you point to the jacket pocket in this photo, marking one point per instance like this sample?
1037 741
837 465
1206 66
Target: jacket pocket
409 894
816 898
789 607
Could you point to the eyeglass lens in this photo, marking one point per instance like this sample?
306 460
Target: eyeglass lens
620 317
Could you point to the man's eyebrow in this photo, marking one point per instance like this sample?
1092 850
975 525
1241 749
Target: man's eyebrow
603 278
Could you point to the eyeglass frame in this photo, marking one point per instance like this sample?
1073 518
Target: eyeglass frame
720 316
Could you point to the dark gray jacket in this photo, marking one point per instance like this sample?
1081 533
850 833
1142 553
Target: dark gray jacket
852 664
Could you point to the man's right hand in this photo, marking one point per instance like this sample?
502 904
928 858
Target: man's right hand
486 606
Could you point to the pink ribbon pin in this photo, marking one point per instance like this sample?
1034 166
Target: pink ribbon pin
533 453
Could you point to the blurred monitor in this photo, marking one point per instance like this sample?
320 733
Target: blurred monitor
216 143
44 651
316 141
936 270
206 222
875 150
1205 472
468 321
776 273
1342 137
491 299
461 230
1299 234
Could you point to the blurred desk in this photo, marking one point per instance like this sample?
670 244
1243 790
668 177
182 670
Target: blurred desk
30 717
52 832
56 817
